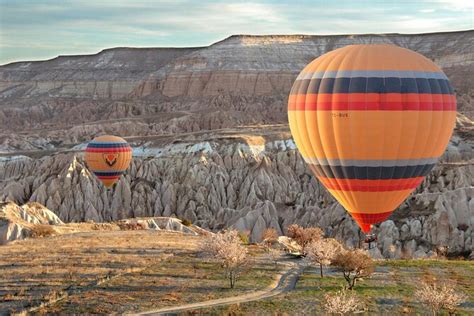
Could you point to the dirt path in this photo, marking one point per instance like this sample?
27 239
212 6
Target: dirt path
285 281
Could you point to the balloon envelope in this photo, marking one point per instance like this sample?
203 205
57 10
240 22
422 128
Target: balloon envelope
371 122
108 157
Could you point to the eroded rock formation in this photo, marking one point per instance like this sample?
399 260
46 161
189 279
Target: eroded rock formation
211 144
250 185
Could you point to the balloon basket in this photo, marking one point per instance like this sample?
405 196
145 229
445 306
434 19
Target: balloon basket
370 240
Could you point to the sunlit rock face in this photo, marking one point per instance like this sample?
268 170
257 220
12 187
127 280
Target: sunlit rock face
211 144
16 222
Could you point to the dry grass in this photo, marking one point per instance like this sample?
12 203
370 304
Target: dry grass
389 291
32 269
113 271
40 230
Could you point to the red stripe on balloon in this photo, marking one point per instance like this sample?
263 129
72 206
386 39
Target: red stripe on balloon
371 185
365 220
372 101
302 105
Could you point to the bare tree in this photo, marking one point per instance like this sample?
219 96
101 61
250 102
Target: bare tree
354 264
269 236
438 297
304 236
342 302
226 247
323 252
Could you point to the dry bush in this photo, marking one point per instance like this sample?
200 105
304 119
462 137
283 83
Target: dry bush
41 230
269 235
8 297
304 236
442 251
440 296
226 247
102 226
354 264
131 226
244 236
323 252
53 295
186 222
171 297
342 302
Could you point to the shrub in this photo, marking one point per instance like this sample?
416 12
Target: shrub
131 226
269 235
304 236
244 237
41 230
437 297
354 264
342 302
102 226
186 222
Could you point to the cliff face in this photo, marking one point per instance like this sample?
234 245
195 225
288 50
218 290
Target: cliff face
211 142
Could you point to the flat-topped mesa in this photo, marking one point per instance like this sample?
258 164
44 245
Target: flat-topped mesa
109 64
253 65
241 80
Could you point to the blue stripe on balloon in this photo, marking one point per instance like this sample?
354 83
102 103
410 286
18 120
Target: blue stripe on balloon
108 173
108 145
371 73
371 173
372 85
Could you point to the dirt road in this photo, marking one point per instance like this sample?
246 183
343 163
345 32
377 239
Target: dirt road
285 281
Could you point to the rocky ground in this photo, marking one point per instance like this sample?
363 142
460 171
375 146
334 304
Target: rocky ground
211 143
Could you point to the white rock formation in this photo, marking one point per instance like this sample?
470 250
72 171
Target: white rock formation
16 221
226 185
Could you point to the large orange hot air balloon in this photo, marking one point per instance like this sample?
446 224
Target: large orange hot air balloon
108 157
371 122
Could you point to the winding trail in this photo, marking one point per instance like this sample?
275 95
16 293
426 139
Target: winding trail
285 281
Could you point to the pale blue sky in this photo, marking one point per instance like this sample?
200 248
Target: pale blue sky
32 30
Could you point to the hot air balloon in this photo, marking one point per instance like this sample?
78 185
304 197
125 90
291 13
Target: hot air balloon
371 122
108 157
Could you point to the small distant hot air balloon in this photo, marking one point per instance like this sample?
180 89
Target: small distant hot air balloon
371 121
108 157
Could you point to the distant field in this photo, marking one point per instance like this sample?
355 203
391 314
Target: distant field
132 271
115 271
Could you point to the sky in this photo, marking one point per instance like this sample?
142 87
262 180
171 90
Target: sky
37 30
